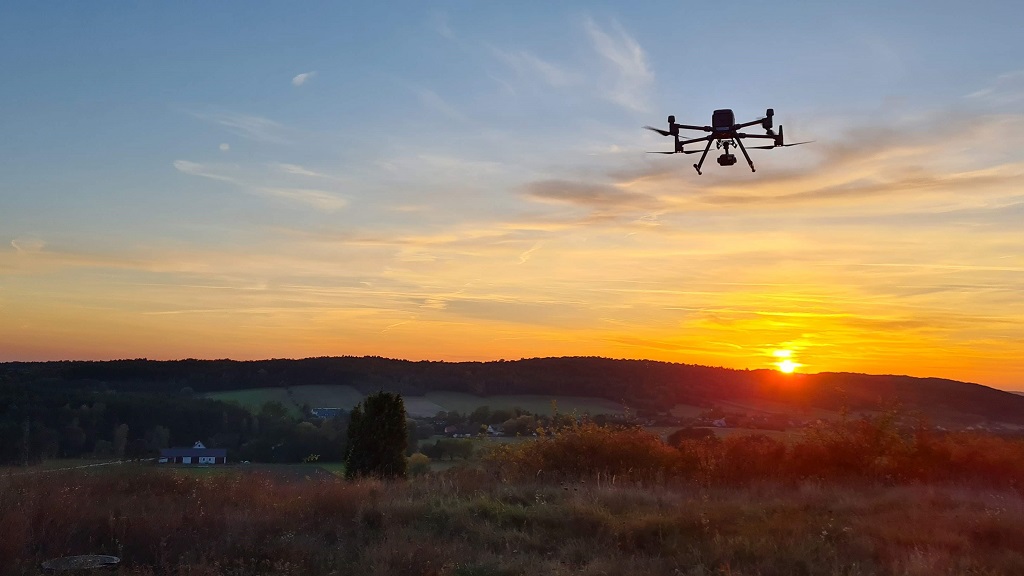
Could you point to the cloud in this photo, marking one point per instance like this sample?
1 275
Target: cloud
588 194
248 126
224 147
442 26
204 170
525 256
864 188
1008 88
319 199
301 79
626 64
528 65
432 101
298 170
557 314
28 244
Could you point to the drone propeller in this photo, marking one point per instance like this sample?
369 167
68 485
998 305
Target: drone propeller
780 145
658 130
661 152
679 152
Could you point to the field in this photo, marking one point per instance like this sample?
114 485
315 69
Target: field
535 403
343 396
849 498
322 396
317 396
464 523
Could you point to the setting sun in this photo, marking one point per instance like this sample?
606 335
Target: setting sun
787 366
785 363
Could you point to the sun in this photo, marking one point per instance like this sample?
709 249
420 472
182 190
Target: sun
785 364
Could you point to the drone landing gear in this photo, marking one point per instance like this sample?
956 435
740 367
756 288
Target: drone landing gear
702 157
739 142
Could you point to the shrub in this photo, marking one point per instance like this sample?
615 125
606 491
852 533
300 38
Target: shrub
587 450
419 464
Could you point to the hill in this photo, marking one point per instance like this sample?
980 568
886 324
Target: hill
637 384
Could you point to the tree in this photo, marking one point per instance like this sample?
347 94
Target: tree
377 436
120 440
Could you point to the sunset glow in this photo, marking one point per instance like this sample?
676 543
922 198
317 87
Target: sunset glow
437 184
787 366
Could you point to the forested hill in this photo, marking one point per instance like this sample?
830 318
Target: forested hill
641 384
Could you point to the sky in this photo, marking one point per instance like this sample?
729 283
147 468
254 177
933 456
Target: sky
468 181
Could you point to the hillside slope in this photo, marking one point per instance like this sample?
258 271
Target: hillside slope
639 384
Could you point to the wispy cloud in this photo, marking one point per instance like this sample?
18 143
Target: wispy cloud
588 194
528 65
322 200
1007 88
441 24
319 199
432 101
28 244
299 170
525 256
626 64
301 79
248 126
213 172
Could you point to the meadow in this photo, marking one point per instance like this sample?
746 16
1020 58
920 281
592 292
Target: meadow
343 396
853 498
469 523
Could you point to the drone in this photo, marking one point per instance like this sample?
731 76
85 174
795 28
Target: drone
724 133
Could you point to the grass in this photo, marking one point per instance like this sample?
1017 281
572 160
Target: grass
788 436
55 464
316 396
462 523
253 398
324 396
535 403
852 498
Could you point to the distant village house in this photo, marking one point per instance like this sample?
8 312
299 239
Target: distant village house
196 455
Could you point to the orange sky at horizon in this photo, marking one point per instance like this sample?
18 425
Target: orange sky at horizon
626 291
442 183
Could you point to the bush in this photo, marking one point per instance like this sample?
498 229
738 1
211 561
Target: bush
587 450
419 464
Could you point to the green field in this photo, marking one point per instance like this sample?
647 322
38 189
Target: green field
535 403
323 396
317 396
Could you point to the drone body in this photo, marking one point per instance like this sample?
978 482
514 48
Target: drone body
724 132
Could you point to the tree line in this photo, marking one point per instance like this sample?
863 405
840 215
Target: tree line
643 385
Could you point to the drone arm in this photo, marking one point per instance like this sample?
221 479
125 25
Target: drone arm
703 156
689 127
747 124
693 140
764 136
739 142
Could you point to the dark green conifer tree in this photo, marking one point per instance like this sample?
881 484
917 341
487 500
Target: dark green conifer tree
377 436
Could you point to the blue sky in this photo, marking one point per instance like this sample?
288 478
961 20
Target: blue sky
468 181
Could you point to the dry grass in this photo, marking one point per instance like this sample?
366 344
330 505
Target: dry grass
467 523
